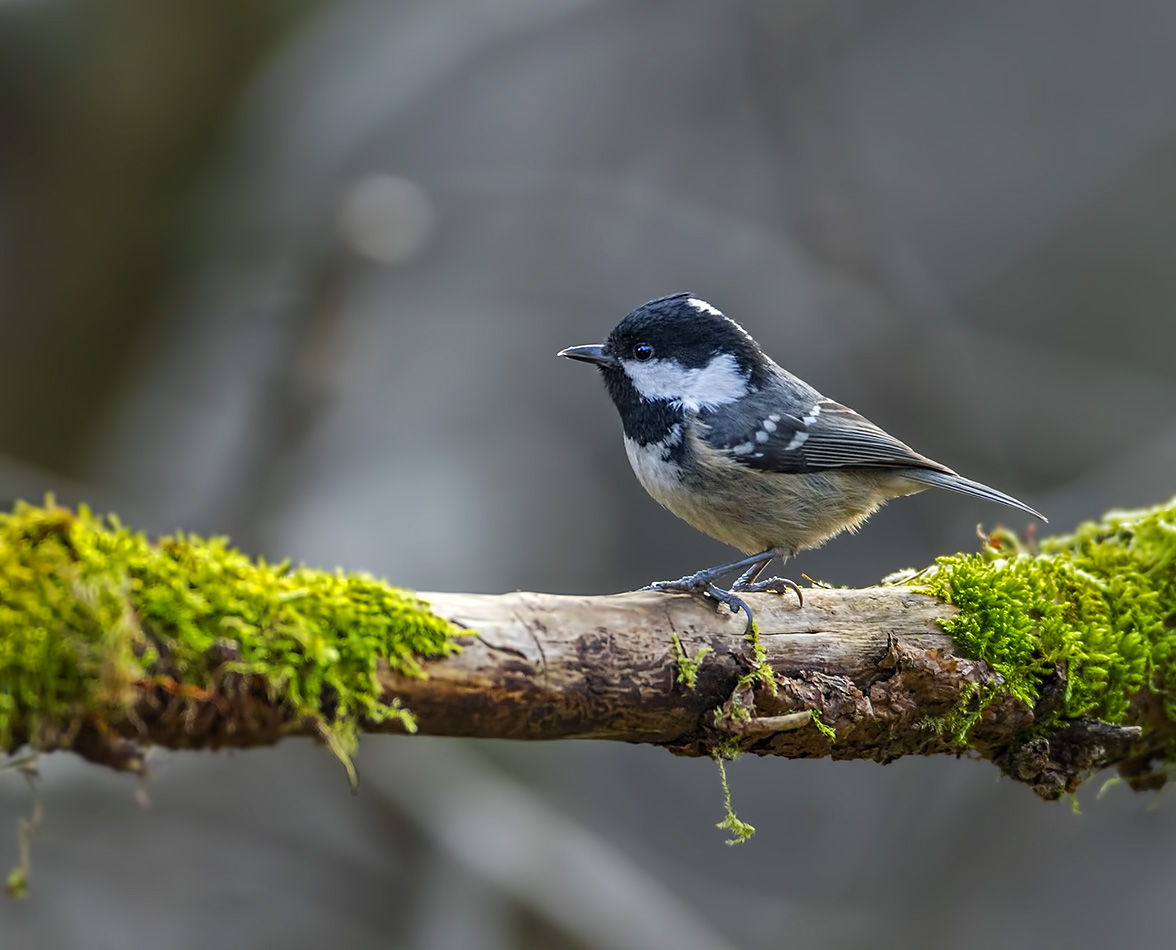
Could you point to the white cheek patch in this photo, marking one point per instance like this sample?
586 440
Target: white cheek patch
719 382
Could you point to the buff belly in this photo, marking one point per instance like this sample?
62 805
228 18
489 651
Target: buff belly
754 510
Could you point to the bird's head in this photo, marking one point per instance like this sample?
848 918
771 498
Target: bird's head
675 354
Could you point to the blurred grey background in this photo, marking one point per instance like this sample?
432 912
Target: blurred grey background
297 271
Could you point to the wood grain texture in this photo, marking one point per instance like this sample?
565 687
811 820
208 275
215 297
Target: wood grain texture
541 666
873 664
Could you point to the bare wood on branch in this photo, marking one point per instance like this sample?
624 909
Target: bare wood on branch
873 665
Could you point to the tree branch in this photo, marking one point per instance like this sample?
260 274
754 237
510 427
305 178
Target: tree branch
541 666
1051 664
874 665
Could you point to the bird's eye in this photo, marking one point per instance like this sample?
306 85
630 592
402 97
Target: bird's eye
643 352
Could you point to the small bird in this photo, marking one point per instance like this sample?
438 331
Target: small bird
742 450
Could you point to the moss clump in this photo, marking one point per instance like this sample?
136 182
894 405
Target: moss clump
1097 607
688 666
93 614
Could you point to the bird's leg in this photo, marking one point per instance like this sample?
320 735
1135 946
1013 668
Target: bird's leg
750 574
698 583
703 581
775 585
747 583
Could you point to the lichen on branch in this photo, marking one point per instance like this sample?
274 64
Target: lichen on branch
102 628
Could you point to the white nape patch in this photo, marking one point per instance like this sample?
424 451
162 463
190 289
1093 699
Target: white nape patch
719 382
703 306
796 442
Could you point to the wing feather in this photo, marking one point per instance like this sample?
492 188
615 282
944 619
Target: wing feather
828 435
832 436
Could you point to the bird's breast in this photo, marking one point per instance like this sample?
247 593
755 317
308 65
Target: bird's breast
656 468
753 510
687 492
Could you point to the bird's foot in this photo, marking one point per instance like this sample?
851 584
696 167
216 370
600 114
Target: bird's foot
700 583
775 585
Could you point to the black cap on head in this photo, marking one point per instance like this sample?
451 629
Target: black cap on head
670 356
684 328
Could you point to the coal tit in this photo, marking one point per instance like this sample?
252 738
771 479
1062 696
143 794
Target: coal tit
744 451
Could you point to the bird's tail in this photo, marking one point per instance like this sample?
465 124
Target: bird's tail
965 486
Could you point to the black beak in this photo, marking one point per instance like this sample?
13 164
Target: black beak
590 353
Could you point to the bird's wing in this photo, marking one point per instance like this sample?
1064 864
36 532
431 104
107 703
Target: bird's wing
828 435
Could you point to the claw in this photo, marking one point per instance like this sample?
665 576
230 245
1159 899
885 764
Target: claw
703 582
734 602
775 585
701 585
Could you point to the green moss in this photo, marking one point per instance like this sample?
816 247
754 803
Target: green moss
17 883
761 671
92 614
688 666
1097 606
732 715
740 830
965 712
826 730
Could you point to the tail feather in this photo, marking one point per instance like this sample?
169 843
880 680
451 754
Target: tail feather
965 486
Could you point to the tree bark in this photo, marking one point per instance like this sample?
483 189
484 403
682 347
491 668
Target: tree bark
113 642
872 664
852 674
